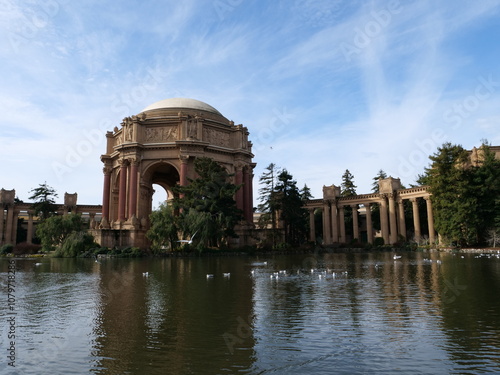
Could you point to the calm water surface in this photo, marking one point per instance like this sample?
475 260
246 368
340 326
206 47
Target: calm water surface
426 313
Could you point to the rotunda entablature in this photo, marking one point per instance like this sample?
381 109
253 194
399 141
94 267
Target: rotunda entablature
173 122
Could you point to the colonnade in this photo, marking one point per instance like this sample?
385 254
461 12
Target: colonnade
11 211
392 215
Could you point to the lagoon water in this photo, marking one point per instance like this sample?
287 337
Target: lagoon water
338 313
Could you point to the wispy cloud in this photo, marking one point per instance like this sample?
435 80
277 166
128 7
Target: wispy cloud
323 86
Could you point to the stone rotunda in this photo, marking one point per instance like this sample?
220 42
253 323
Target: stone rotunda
158 146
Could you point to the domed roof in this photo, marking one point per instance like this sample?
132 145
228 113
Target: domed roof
180 103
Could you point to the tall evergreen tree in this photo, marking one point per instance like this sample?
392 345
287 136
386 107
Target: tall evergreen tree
347 189
305 193
268 200
380 176
464 196
207 204
44 202
291 208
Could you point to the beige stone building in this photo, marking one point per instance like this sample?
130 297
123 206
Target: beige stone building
158 146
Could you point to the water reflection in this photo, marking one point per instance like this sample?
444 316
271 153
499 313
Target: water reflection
356 313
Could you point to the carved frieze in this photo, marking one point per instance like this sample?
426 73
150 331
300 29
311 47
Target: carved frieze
161 134
216 137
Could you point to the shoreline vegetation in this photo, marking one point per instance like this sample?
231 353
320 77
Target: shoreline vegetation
100 253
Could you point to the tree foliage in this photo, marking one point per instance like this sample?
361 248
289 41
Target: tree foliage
347 188
465 197
380 176
206 205
75 244
267 196
44 203
163 232
290 204
281 200
54 230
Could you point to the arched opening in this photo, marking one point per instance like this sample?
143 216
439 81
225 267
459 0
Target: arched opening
160 196
160 178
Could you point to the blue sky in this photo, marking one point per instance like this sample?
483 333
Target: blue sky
322 85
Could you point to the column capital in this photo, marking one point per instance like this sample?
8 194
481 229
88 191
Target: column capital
107 169
134 161
184 158
413 200
427 198
353 206
123 163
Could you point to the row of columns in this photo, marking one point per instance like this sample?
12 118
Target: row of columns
127 190
392 222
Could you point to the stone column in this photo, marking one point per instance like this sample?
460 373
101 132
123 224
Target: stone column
248 204
30 227
327 239
14 227
369 224
416 219
342 224
239 193
402 221
312 228
334 222
430 220
132 203
392 219
8 224
1 223
106 192
383 219
250 195
122 193
184 169
355 224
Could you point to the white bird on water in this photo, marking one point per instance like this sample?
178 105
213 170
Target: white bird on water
190 241
145 274
396 257
227 274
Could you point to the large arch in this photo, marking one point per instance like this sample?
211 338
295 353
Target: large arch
159 146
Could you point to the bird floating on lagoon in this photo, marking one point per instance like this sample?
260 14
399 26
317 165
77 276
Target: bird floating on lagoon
226 274
210 275
396 257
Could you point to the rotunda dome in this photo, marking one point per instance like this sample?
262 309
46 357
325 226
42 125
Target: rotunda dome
182 103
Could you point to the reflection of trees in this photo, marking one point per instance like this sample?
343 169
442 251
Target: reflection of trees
174 319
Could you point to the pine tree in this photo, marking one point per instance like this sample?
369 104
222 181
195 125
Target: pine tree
380 176
207 204
464 196
44 204
347 188
268 202
291 207
305 193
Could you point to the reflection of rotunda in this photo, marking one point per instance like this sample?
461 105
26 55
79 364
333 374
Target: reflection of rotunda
158 146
